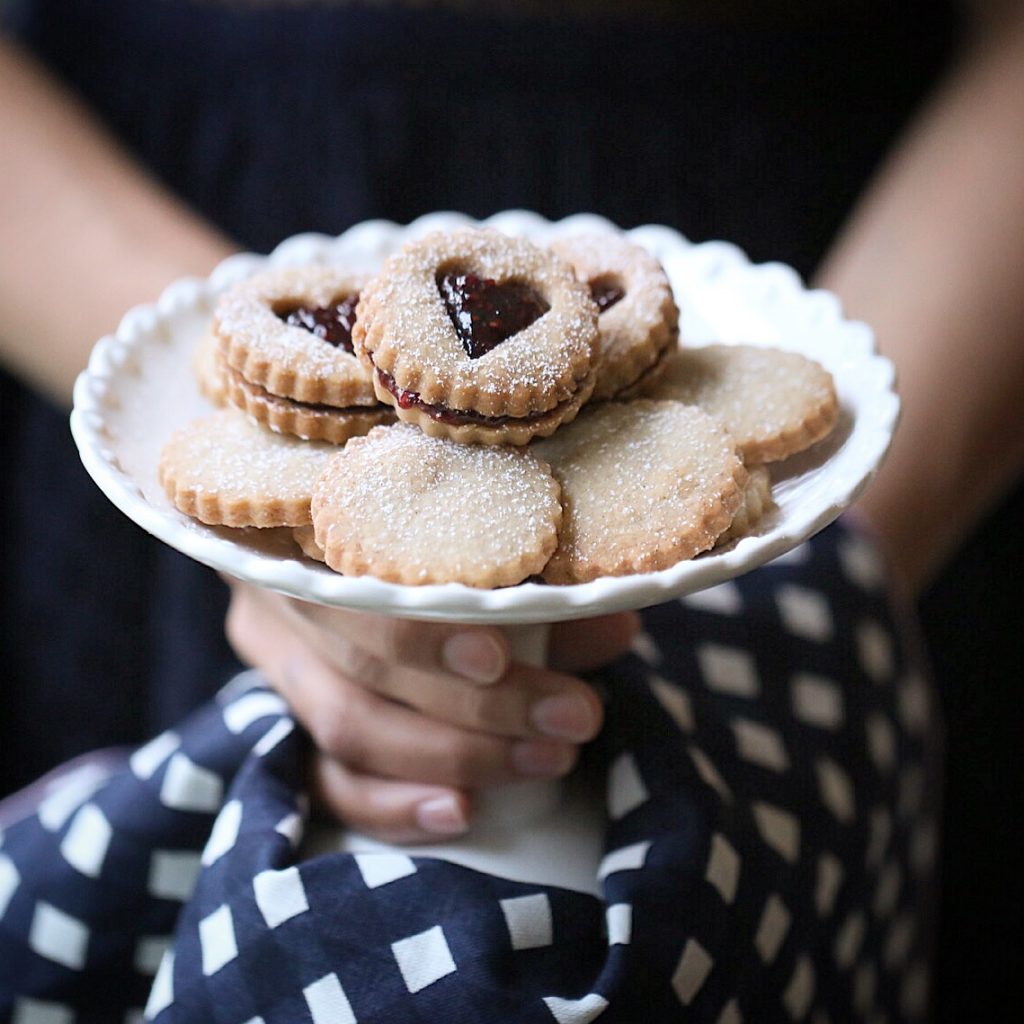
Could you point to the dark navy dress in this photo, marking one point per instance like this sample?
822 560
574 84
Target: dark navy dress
277 118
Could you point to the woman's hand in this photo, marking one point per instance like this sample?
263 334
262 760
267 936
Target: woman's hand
409 717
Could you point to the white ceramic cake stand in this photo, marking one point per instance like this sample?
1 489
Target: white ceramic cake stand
139 387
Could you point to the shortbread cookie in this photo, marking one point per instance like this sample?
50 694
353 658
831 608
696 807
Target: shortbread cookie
638 322
208 367
644 485
757 503
225 470
409 508
479 337
774 403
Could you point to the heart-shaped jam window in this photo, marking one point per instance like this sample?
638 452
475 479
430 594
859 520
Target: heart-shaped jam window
332 323
486 313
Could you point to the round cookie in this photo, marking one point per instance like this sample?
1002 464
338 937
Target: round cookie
644 485
409 508
225 470
638 322
480 337
774 403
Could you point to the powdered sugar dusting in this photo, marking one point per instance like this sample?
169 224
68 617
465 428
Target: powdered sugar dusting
404 327
644 485
288 360
774 403
643 324
406 506
233 471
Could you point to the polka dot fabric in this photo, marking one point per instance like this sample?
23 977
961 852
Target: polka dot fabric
769 855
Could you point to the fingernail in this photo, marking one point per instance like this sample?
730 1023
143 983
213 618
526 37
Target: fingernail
542 759
441 815
476 656
567 716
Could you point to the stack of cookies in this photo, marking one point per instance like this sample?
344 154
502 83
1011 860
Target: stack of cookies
486 411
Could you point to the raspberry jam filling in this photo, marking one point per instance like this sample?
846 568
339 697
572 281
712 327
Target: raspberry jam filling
606 291
332 323
263 394
441 413
485 313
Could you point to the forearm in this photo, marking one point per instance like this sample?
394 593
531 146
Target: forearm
934 261
84 233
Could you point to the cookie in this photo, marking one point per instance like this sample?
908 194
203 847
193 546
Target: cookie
645 484
285 339
774 403
225 470
638 321
756 504
302 419
479 337
409 508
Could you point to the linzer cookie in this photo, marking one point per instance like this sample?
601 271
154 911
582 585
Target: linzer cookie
774 403
301 419
225 470
638 322
479 337
286 344
644 485
409 508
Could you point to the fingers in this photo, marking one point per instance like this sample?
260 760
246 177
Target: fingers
374 736
389 810
400 737
525 702
477 653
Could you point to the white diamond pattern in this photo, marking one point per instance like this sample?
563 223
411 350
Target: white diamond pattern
728 670
424 958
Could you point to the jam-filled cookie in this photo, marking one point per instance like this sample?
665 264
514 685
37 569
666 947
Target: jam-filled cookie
225 470
285 341
638 322
644 485
414 509
774 403
479 337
